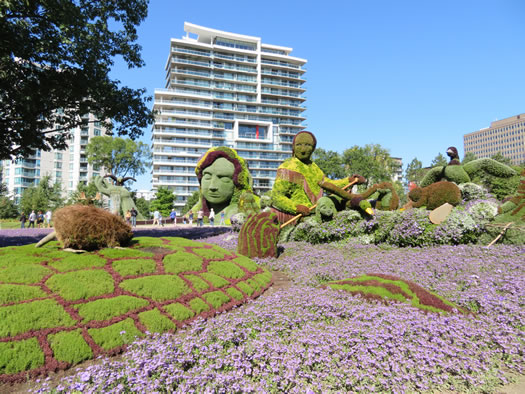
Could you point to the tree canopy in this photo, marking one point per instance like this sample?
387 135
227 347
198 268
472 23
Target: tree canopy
120 157
55 60
371 161
164 199
439 160
414 171
330 162
42 197
469 156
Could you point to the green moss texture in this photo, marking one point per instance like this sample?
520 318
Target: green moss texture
58 309
258 236
391 288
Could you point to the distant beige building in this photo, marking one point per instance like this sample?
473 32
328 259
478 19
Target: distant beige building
506 136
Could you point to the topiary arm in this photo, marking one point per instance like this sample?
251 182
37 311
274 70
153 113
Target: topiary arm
433 175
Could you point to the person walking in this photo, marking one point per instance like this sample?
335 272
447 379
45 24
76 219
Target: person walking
211 216
48 216
173 217
134 214
200 216
23 220
128 217
221 223
190 218
32 219
156 217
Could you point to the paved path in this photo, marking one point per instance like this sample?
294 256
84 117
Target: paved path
17 237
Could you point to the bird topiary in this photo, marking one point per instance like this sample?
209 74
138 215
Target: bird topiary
435 195
385 288
58 309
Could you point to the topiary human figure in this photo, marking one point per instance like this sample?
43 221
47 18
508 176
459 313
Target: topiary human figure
435 195
296 186
458 173
223 178
120 196
325 210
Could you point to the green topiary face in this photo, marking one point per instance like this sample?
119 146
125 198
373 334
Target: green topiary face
217 182
81 304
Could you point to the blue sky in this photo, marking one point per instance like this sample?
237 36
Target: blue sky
412 76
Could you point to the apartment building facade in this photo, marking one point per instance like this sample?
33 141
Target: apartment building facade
225 89
506 136
68 167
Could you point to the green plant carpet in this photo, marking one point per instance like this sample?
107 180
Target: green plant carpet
58 309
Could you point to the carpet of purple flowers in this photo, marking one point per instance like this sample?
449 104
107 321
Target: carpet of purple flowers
306 339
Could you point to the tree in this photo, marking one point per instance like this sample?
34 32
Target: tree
414 171
164 199
8 208
89 192
330 162
371 161
143 206
55 60
190 202
469 156
42 197
502 159
120 157
439 160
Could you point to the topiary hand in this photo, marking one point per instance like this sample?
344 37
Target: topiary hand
303 210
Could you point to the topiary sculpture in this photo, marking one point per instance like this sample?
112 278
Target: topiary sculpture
457 173
435 195
325 210
391 288
258 235
87 227
59 309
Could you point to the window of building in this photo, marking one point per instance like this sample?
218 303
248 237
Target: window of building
97 132
58 164
252 131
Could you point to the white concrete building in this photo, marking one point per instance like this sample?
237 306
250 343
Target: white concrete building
68 167
225 89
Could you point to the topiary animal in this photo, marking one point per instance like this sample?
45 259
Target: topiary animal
435 195
88 228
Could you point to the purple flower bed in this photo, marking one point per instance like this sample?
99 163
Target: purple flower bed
306 339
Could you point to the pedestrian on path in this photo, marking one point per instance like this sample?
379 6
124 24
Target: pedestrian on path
211 216
221 223
190 218
156 217
173 217
23 220
134 214
48 216
200 216
32 219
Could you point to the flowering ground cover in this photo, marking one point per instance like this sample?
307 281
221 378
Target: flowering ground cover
58 309
306 338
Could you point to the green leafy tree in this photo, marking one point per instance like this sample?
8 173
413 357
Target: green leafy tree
502 159
164 199
42 197
439 160
330 162
120 157
89 191
8 208
55 61
469 156
143 206
414 171
190 202
371 161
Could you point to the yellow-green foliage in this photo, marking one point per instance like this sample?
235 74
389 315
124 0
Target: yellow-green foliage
107 308
215 280
216 298
119 253
78 262
16 293
18 356
179 311
134 266
156 321
182 262
246 263
246 288
24 274
234 293
69 346
77 285
198 305
197 283
16 319
225 269
116 334
158 287
211 253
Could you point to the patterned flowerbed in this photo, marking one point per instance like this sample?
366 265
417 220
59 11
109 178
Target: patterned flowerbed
308 339
58 308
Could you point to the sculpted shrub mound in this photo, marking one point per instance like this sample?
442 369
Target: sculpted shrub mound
87 227
391 288
58 309
258 236
435 195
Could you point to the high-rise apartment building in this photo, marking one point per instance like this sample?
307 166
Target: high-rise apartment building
506 136
68 167
225 89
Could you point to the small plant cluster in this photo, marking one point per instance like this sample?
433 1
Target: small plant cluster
306 338
58 309
412 227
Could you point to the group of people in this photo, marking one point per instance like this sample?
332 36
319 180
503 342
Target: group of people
131 217
39 219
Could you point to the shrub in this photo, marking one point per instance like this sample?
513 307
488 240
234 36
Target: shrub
90 228
435 195
458 228
18 356
471 191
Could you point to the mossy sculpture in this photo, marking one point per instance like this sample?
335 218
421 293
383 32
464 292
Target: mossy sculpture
325 210
58 309
223 177
258 236
435 195
87 227
515 206
454 172
386 288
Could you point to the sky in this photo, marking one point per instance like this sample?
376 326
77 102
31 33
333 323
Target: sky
412 76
